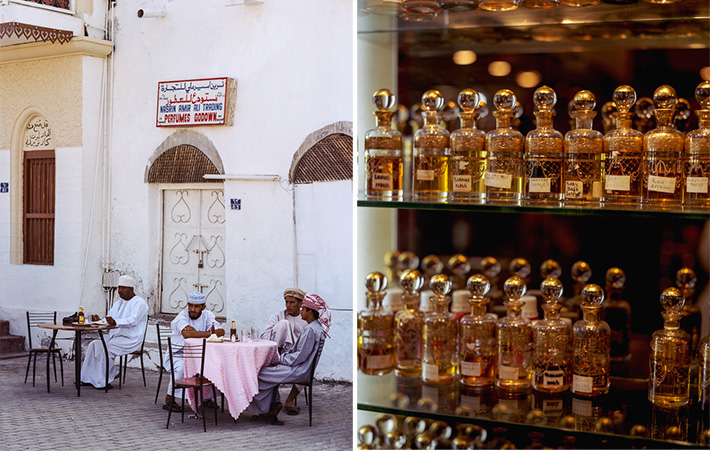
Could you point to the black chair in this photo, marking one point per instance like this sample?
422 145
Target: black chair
123 360
163 335
196 383
33 319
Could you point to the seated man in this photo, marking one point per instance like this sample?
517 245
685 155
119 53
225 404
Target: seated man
130 314
295 363
193 322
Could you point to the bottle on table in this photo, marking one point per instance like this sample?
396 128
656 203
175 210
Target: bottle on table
440 362
544 152
504 148
431 153
591 346
514 340
477 337
409 324
375 331
468 153
383 152
552 343
233 332
82 319
696 165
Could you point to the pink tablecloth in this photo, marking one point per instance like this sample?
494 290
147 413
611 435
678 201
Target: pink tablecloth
233 368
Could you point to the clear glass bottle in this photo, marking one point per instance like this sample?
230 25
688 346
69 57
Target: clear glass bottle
504 147
552 343
477 337
704 375
409 325
514 339
468 153
582 168
393 299
623 153
617 314
696 166
383 152
490 267
644 121
425 7
460 267
591 346
669 362
608 112
663 152
440 362
456 6
375 330
431 265
581 272
544 152
691 321
431 153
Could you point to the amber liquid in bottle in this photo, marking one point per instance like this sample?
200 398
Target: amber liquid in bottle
477 337
544 152
552 340
383 152
375 331
440 363
591 347
431 154
409 324
468 153
504 147
514 337
582 168
696 166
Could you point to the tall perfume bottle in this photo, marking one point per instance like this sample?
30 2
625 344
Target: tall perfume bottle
409 325
383 152
582 168
504 145
669 362
375 331
552 343
468 153
663 152
431 153
691 321
704 375
514 339
543 152
431 265
591 346
477 337
696 167
440 362
623 153
459 267
617 314
581 272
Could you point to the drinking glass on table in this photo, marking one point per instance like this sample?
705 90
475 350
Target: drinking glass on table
244 335
254 333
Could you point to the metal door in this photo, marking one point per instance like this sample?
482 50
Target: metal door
193 248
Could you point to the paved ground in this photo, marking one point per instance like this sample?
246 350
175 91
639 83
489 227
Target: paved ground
31 418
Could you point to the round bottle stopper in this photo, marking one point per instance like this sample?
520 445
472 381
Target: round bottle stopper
478 285
544 98
396 439
644 108
551 289
682 110
615 278
550 268
490 267
481 110
519 267
514 288
584 101
459 265
414 425
383 99
504 100
665 97
376 282
581 272
440 284
391 259
431 264
411 281
624 97
592 295
367 435
432 100
672 299
685 279
468 100
407 260
702 94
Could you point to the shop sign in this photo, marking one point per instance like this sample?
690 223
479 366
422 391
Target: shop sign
207 101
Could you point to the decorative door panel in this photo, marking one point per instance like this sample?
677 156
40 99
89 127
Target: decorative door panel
193 248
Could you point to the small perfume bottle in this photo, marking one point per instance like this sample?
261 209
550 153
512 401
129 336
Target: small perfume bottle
617 314
383 152
623 153
375 331
490 267
431 153
391 264
520 267
696 167
431 265
581 273
514 339
544 152
408 327
552 343
440 362
591 346
504 146
704 375
468 153
459 267
669 362
477 337
393 299
582 168
691 321
682 115
663 152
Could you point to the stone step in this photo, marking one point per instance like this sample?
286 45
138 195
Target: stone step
10 344
4 328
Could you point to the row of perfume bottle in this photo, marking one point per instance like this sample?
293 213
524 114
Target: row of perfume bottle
513 353
660 168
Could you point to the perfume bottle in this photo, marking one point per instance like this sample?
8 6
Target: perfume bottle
581 273
591 346
393 299
431 153
544 152
520 267
440 362
623 153
384 7
514 339
383 152
477 337
691 321
704 375
391 264
425 7
408 327
456 6
582 168
504 146
498 5
663 151
490 267
468 153
682 115
375 332
539 4
608 112
644 121
431 265
552 343
669 362
459 267
696 166
617 314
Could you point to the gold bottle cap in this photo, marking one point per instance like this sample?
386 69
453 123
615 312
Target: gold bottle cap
407 260
367 435
584 101
411 281
550 268
672 299
478 285
592 295
665 97
551 289
702 94
432 264
505 100
624 98
544 98
490 267
440 284
514 288
459 265
581 272
468 100
615 279
391 259
376 282
519 267
383 99
685 279
432 100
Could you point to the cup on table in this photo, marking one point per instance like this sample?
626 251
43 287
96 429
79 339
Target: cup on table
244 335
254 333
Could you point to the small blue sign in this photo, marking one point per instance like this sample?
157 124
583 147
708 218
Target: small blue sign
236 204
4 187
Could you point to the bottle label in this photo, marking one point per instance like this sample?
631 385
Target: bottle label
582 407
471 369
661 184
462 183
377 362
596 190
697 185
430 371
382 181
617 183
426 175
497 180
539 185
574 189
582 384
508 373
553 378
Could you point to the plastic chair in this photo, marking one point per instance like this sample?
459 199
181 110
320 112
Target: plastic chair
163 335
33 319
123 360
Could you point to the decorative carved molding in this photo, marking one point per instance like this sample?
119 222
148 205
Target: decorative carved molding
34 32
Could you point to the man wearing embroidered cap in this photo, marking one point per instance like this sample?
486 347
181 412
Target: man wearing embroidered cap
193 322
130 314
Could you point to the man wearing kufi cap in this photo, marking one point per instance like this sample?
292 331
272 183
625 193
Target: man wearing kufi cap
193 322
130 314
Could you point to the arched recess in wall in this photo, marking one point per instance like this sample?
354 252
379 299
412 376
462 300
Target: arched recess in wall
184 157
325 155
